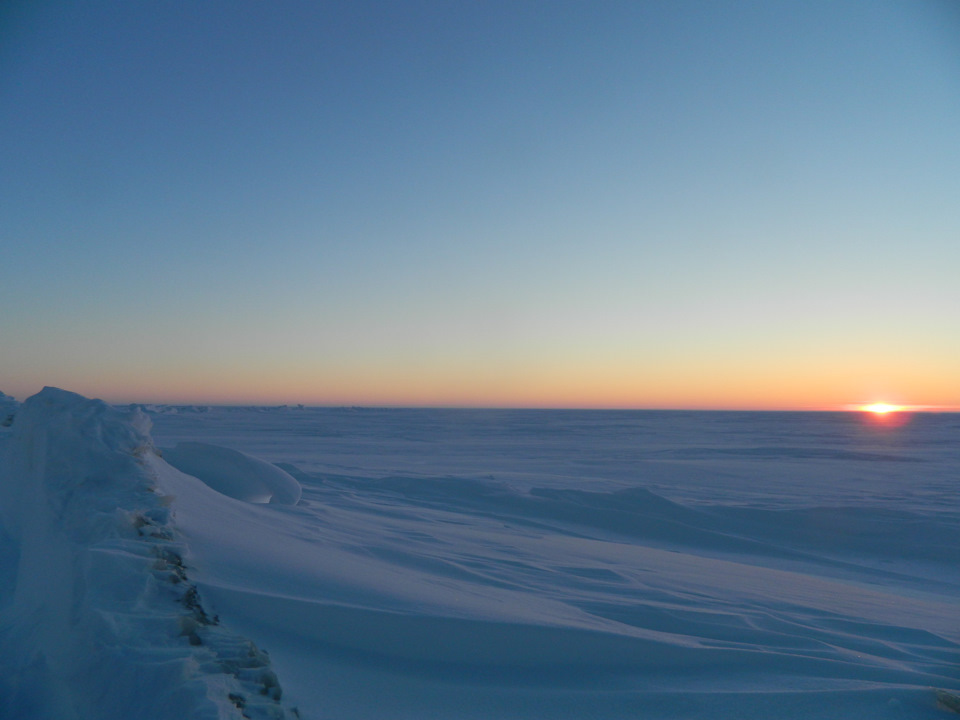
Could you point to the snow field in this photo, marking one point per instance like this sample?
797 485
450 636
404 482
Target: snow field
420 565
432 593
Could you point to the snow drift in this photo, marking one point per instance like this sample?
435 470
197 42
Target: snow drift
234 473
99 617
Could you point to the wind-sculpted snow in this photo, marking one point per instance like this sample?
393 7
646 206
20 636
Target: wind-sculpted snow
486 577
234 473
99 615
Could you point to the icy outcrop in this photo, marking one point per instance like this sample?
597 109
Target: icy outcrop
8 408
98 614
234 473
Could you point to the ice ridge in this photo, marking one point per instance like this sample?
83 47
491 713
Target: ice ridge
99 617
8 408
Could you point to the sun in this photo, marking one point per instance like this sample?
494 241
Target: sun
881 408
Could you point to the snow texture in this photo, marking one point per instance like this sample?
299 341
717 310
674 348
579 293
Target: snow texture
526 564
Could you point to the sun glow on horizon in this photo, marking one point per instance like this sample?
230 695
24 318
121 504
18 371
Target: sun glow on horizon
881 408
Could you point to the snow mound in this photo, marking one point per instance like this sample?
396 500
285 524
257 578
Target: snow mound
234 473
99 617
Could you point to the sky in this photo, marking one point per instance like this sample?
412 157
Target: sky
639 204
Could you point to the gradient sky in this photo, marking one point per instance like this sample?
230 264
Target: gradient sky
624 204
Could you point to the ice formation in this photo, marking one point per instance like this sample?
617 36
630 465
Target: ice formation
8 408
99 617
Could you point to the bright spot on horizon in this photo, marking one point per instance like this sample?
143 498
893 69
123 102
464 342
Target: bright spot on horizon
881 408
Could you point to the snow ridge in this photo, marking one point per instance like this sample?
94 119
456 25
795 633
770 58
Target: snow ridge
99 618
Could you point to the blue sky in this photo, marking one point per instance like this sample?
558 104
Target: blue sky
622 203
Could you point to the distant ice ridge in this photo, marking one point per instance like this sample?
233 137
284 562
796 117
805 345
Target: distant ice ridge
99 617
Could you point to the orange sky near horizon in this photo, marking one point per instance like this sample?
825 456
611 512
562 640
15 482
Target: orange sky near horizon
756 385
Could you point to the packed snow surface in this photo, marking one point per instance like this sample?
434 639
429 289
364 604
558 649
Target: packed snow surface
484 564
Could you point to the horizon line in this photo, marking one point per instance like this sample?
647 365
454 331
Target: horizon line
858 406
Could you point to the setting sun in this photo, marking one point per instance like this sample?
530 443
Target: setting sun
881 408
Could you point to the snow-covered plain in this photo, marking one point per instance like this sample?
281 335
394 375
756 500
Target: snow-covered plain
477 564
